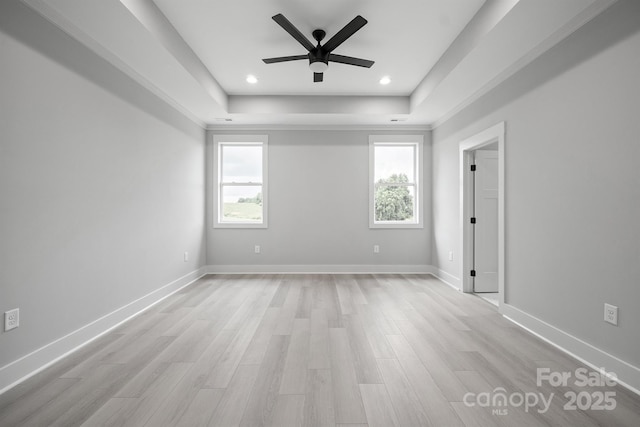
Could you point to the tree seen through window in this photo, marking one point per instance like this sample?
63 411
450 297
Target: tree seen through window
393 202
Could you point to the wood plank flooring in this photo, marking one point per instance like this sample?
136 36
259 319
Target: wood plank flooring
313 350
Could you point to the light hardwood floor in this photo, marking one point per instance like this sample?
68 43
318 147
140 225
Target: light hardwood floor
312 350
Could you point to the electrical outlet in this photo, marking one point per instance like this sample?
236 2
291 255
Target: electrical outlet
376 249
611 314
11 319
186 256
450 255
256 249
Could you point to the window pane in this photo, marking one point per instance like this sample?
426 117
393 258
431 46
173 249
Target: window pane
395 203
241 163
394 164
241 203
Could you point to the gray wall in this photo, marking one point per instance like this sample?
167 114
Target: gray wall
101 185
572 182
102 188
318 209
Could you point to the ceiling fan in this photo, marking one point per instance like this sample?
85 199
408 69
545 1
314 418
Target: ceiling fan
319 56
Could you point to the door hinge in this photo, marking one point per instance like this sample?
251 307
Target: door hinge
473 273
473 168
473 220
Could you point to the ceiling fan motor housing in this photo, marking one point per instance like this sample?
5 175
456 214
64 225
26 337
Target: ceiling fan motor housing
318 60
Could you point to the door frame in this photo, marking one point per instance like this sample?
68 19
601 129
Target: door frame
493 134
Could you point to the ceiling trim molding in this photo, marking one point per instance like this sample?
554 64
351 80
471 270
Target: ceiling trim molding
318 104
148 14
198 110
573 25
489 15
373 128
54 17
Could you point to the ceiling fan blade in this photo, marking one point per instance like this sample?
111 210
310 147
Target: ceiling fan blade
346 32
317 77
284 59
350 60
291 29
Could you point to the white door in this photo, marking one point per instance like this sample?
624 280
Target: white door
486 226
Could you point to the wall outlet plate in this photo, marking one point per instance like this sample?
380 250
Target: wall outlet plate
611 314
11 319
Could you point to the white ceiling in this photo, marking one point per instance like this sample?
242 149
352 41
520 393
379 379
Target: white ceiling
440 54
404 37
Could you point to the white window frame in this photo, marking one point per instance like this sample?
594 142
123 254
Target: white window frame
416 141
236 140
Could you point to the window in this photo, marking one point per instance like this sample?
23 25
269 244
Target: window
395 172
240 181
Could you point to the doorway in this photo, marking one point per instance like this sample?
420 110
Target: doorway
485 214
482 213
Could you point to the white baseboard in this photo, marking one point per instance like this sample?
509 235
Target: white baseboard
34 362
447 278
628 375
326 269
27 366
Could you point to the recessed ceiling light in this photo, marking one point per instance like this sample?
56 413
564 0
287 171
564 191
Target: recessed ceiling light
252 79
385 80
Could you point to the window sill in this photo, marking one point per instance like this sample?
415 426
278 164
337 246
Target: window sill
238 225
394 225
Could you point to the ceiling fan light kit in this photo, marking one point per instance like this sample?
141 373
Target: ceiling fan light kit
319 56
318 66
